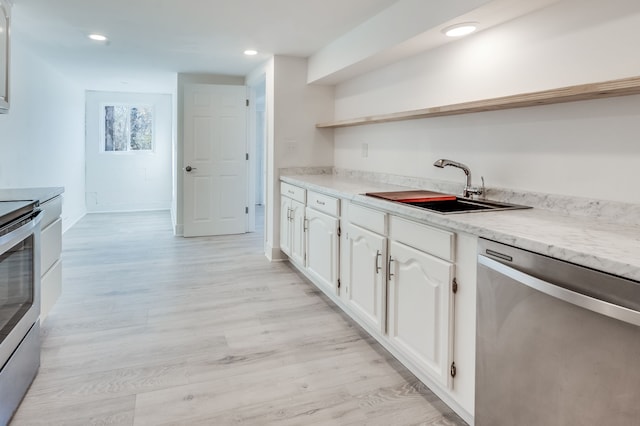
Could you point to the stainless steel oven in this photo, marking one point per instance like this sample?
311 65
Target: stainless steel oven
19 302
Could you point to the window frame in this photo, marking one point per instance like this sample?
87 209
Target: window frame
102 129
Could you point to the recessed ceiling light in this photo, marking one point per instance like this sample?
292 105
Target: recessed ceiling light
250 52
97 37
459 30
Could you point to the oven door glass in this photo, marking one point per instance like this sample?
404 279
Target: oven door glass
16 284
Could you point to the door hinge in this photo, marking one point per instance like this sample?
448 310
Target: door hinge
454 287
339 231
247 102
246 210
338 282
247 156
453 369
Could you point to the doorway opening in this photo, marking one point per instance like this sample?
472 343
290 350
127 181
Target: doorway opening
258 145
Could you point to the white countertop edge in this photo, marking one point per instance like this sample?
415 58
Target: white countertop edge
610 248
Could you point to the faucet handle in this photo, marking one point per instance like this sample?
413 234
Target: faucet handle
475 190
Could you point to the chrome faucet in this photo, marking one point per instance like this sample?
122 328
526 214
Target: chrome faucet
468 190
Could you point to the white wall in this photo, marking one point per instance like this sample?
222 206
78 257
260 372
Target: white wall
294 141
292 108
585 148
128 181
42 136
297 108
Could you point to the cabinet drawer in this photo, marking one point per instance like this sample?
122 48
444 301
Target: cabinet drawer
51 210
293 192
323 203
422 237
51 245
51 287
373 220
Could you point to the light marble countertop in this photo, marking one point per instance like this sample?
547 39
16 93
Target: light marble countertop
590 242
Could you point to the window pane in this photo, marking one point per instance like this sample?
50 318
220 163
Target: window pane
108 128
141 123
120 127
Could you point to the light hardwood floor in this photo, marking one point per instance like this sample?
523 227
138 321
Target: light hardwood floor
153 329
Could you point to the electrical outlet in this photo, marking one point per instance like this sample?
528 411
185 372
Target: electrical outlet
291 146
365 150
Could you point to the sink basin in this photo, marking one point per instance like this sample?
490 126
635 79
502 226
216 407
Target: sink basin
461 205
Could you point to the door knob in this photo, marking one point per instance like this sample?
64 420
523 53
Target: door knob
189 168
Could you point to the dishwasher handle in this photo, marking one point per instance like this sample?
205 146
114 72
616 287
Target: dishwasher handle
593 304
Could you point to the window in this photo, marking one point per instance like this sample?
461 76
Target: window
128 128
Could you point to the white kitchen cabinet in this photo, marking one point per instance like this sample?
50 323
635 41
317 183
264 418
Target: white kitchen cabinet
420 296
364 266
285 225
398 281
292 239
411 285
365 283
50 252
322 238
419 309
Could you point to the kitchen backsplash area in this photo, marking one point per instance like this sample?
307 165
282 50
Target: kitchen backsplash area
604 210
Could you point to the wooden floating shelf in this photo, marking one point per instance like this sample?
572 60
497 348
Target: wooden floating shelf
582 92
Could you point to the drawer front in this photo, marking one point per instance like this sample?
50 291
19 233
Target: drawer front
293 192
373 220
51 210
434 241
323 203
51 287
51 243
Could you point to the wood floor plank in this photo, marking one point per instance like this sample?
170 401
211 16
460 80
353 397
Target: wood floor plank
153 329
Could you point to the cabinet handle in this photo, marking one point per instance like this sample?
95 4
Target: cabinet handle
389 274
290 191
378 256
320 202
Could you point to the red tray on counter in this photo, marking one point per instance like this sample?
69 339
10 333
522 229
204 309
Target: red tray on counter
416 195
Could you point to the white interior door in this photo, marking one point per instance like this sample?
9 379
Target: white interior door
215 165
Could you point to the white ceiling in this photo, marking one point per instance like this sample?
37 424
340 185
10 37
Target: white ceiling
154 39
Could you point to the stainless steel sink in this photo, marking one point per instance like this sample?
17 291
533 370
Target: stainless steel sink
461 205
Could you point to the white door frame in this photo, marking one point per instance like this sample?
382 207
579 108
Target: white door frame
252 87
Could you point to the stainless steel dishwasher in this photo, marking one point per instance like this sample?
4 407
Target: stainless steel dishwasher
556 343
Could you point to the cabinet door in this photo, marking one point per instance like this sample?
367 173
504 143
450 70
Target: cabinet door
419 309
322 249
297 232
285 225
365 286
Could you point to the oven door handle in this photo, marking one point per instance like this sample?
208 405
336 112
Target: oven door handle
605 308
14 237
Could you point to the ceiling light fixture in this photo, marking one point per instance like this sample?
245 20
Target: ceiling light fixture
97 37
459 30
250 52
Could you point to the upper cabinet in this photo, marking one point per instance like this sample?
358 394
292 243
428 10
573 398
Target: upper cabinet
606 89
5 20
